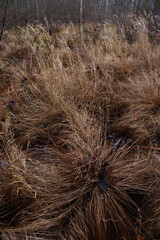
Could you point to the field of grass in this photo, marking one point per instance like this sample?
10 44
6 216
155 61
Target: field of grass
80 132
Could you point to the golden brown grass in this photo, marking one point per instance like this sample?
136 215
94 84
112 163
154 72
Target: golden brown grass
79 134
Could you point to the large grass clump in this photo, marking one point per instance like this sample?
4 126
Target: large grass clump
80 133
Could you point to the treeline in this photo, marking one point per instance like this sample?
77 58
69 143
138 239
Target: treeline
21 12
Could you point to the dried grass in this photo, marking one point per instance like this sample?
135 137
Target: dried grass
79 143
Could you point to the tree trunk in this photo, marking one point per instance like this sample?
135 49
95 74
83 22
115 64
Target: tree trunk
81 14
37 7
4 18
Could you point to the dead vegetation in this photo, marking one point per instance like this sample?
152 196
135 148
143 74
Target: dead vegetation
79 134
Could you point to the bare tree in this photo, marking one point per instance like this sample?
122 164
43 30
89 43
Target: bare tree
81 14
16 4
4 18
28 4
37 7
106 5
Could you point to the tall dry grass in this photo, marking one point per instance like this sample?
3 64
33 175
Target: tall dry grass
79 124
